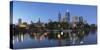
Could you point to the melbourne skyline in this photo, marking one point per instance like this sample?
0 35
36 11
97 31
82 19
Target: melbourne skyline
32 11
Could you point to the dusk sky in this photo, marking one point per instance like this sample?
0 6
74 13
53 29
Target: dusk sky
32 11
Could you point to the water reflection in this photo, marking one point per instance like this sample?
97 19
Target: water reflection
51 39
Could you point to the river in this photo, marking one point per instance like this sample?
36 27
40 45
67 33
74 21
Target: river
38 40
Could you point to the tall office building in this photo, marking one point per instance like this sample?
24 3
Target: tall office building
19 21
80 19
39 21
85 22
67 16
59 17
75 19
49 20
21 24
64 19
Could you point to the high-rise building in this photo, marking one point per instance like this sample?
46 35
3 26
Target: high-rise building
64 19
59 17
67 16
85 22
21 24
80 19
39 21
19 21
50 20
31 22
75 19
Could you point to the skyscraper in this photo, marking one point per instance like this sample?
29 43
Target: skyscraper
80 19
67 16
59 16
19 21
64 19
39 21
50 20
75 19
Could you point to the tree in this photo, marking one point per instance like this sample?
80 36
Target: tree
93 26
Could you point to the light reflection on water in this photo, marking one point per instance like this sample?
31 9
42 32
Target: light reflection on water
50 39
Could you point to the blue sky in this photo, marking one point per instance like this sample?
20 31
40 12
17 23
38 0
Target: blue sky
32 11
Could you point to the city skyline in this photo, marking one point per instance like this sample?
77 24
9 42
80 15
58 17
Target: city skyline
44 11
35 25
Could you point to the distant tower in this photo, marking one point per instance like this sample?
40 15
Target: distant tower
19 21
80 19
85 22
67 16
50 20
39 21
64 19
75 19
31 22
59 17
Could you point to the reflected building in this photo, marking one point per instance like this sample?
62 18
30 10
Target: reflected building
19 38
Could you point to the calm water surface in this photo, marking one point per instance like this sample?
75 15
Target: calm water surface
37 40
